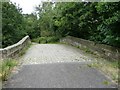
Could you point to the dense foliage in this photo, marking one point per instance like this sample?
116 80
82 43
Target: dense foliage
31 25
98 21
12 24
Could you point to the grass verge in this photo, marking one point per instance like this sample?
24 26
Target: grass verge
6 67
107 67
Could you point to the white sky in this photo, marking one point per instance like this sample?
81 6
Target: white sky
27 5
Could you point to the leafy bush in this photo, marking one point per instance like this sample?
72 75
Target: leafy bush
52 39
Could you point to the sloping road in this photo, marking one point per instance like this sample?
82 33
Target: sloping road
56 66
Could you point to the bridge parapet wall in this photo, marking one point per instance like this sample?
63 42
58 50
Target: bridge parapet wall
102 50
13 50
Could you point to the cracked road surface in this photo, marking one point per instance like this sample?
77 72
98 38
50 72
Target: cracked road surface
56 66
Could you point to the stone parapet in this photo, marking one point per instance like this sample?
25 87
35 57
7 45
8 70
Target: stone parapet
106 51
13 50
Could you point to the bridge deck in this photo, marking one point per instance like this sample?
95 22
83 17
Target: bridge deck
52 53
56 66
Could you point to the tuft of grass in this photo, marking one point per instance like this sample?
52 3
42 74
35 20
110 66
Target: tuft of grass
89 65
87 50
93 65
106 82
6 66
78 46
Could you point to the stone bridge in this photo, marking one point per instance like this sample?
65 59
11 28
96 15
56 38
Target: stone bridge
53 66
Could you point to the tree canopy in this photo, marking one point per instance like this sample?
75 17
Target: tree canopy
96 21
12 24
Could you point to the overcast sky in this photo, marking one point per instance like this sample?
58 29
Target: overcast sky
27 5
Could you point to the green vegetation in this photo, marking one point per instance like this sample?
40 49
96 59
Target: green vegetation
87 50
12 24
32 27
6 68
46 40
106 83
96 21
109 68
7 65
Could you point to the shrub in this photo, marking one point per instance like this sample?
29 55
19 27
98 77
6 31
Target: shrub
52 39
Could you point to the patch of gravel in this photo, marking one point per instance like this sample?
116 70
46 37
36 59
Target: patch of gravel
53 53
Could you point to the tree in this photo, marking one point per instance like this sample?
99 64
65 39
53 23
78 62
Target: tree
32 26
109 27
12 24
96 21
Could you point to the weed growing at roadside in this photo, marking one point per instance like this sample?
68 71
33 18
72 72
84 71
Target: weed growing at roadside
105 82
6 66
